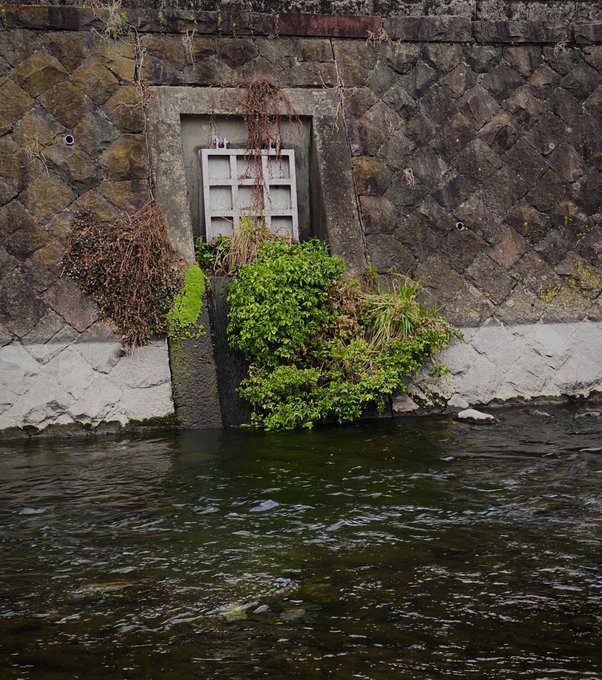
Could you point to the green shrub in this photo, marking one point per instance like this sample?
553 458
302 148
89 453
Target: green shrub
320 348
183 317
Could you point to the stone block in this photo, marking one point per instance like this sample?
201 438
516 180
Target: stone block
524 59
524 107
567 162
372 176
316 50
500 133
418 80
439 104
143 367
461 247
502 81
237 51
458 131
94 132
581 81
521 306
401 57
17 369
420 129
562 58
73 164
547 192
152 402
95 81
528 221
503 190
15 162
483 58
397 151
427 166
69 48
509 248
44 351
100 346
536 276
71 371
97 402
456 191
66 103
490 278
520 32
452 29
478 105
20 307
339 26
308 74
68 301
118 57
378 215
39 72
477 161
586 33
354 61
387 252
459 80
526 162
99 206
15 103
127 195
171 48
444 57
45 401
126 158
47 196
125 109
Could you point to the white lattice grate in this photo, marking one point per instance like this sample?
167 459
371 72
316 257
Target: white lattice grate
229 180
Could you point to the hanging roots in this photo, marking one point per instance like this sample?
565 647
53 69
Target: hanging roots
128 267
264 105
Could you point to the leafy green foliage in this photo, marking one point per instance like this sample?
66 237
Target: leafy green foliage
210 255
320 348
182 318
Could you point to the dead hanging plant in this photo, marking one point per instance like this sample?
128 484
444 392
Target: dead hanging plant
128 267
264 105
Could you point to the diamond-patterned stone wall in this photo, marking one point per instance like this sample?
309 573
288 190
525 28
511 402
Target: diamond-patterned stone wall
478 169
475 144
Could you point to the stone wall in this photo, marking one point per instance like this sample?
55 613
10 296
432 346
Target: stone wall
474 142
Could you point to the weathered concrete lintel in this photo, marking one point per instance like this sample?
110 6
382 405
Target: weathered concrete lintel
441 28
343 227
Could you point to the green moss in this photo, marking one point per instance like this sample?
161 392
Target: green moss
183 318
168 422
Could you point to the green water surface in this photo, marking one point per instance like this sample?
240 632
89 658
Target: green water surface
411 549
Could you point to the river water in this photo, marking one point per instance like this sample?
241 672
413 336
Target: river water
419 548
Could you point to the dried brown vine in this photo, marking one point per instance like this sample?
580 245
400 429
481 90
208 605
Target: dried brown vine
264 106
128 267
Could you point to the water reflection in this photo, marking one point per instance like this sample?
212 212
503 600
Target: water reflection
416 549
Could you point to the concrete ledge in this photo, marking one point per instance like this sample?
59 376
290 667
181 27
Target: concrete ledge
512 363
439 28
429 29
520 32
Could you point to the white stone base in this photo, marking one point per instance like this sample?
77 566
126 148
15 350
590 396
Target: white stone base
83 382
496 363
